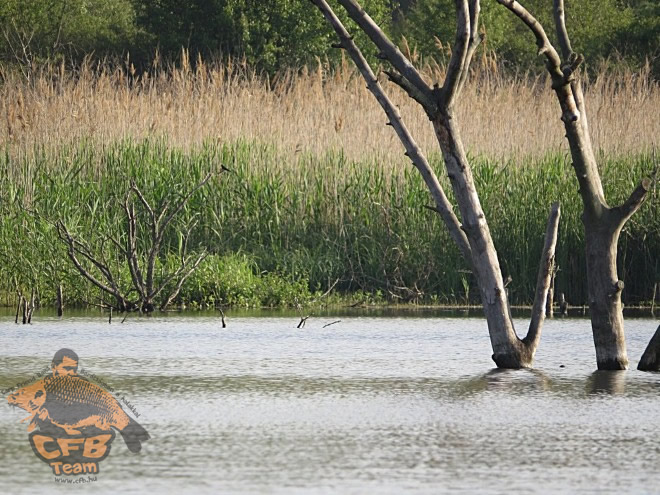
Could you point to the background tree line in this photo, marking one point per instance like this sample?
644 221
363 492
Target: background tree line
288 33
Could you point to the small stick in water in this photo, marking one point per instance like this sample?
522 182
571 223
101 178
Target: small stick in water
18 308
328 324
550 302
30 308
60 301
25 310
563 304
303 319
224 325
110 316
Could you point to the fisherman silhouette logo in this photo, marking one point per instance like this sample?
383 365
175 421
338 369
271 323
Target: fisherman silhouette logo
72 421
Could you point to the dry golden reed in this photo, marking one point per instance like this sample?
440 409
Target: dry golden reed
313 110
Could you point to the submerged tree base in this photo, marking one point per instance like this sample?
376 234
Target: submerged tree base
651 358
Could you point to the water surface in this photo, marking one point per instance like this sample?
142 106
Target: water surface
396 404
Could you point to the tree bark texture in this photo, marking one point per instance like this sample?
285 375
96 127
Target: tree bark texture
507 351
605 294
472 234
602 223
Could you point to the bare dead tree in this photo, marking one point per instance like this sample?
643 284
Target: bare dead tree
19 42
602 223
471 234
92 264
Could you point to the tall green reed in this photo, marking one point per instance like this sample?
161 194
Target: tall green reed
279 230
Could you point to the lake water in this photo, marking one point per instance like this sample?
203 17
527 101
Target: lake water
406 403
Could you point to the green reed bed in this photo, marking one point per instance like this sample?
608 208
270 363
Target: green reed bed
283 232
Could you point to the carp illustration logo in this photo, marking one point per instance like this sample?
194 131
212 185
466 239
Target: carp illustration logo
72 421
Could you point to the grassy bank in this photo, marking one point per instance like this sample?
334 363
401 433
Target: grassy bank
320 196
284 229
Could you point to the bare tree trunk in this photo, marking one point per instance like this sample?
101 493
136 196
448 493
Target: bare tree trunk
602 223
472 236
605 296
507 351
651 358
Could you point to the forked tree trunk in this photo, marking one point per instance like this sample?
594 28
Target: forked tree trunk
472 236
602 223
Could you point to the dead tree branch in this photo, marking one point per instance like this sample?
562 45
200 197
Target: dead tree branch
546 270
158 220
413 151
472 234
75 248
388 49
457 63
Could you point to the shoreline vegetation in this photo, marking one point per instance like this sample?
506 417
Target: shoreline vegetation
320 202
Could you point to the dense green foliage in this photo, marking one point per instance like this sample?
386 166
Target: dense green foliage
270 35
281 231
37 29
598 28
288 33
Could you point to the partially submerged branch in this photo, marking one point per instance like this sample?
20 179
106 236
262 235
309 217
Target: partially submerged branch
303 320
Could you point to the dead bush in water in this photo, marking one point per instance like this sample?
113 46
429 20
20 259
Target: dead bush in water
138 252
